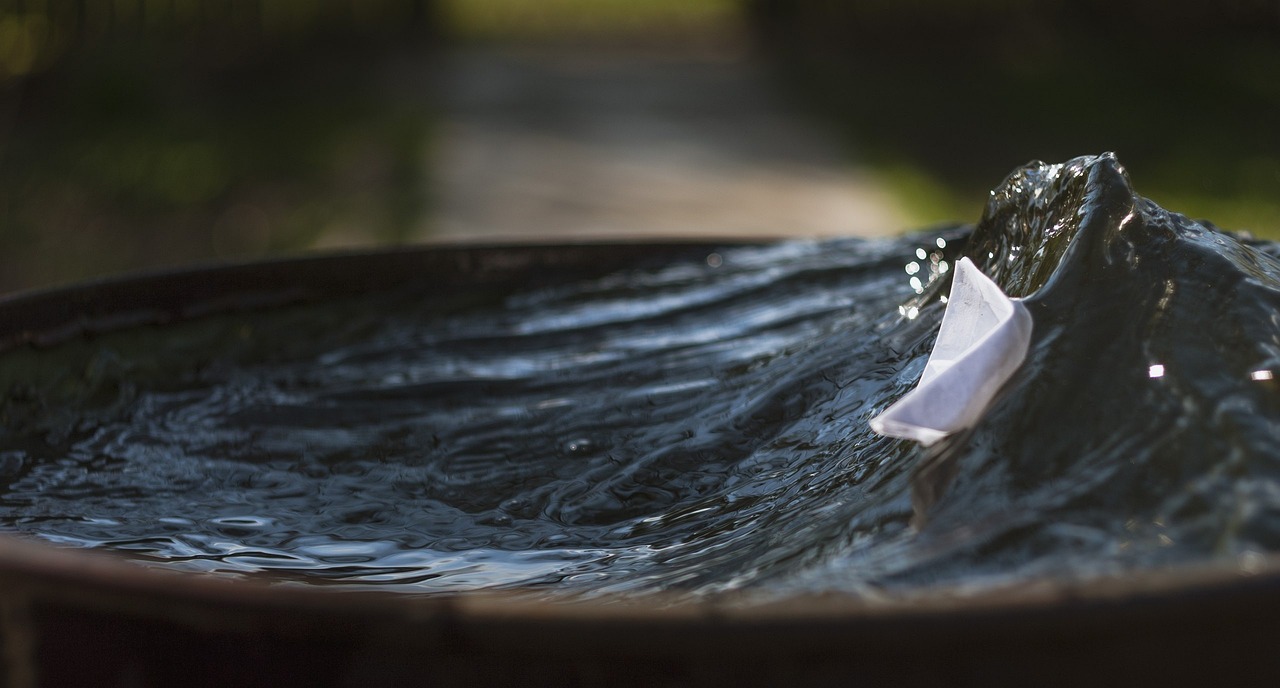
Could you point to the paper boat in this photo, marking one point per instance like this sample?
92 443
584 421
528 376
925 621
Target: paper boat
984 338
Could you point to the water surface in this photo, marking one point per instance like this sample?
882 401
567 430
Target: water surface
698 426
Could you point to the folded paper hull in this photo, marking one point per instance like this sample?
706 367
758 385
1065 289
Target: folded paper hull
982 341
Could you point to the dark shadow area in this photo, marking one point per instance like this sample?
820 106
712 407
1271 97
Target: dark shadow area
945 97
141 134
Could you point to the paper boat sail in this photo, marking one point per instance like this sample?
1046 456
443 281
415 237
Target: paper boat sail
983 339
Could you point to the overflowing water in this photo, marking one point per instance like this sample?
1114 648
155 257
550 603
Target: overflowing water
698 427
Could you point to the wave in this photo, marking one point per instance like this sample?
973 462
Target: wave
693 427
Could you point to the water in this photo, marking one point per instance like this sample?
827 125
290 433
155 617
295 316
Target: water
696 427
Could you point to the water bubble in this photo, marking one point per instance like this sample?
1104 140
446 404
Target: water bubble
579 447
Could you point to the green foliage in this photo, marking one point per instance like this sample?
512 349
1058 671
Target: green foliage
160 142
953 98
523 20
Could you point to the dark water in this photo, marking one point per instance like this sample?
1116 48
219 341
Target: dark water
699 427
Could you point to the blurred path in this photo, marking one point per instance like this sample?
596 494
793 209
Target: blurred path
534 145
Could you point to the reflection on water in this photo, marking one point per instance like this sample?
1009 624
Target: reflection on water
700 426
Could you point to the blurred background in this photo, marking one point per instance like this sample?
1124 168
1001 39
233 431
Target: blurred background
144 133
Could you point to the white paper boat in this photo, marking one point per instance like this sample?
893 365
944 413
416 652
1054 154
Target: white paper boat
984 338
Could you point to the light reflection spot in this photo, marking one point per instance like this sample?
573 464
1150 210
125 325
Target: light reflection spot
942 243
913 268
1261 375
1156 370
1251 562
917 285
714 260
921 254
